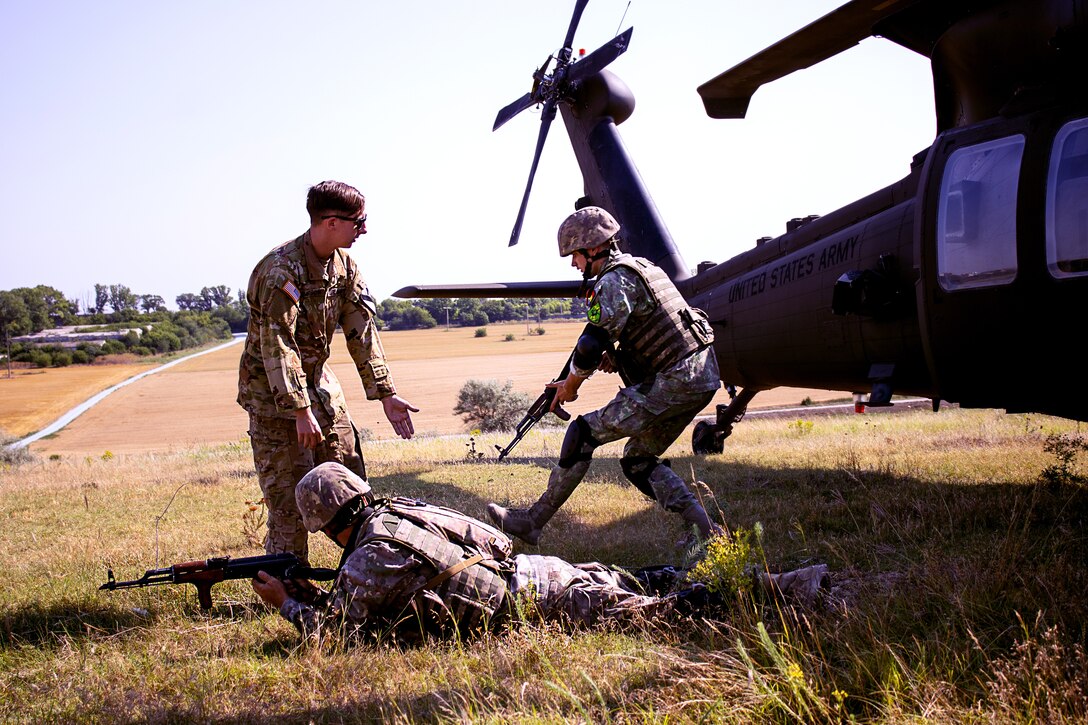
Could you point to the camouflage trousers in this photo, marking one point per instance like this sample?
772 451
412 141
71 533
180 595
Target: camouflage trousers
281 463
582 593
651 422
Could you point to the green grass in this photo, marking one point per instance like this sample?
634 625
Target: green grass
959 571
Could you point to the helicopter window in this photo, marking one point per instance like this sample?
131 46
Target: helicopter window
1067 202
976 218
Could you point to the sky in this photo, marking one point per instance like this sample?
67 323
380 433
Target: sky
167 146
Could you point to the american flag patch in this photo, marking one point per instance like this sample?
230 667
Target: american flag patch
291 290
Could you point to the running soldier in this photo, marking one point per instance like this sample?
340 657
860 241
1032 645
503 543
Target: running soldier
665 357
298 295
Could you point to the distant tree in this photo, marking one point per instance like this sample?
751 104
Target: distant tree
403 315
14 319
436 306
121 298
417 318
101 298
152 303
213 297
188 301
58 308
235 314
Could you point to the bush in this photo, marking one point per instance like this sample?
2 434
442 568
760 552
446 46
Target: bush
10 455
41 359
481 332
486 405
509 337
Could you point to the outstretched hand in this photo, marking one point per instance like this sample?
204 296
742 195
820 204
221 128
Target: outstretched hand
399 412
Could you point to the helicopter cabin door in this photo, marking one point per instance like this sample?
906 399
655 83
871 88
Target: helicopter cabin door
1004 263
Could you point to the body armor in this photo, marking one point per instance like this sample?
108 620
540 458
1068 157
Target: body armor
466 555
670 332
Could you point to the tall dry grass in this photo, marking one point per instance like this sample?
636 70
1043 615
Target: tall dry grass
959 578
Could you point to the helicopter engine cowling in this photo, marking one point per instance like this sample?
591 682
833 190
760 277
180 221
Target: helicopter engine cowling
603 95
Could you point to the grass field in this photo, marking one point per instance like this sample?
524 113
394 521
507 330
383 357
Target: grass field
34 397
193 404
956 543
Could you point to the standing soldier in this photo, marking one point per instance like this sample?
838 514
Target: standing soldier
665 356
297 296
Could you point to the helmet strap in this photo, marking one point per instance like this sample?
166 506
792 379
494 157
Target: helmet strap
590 261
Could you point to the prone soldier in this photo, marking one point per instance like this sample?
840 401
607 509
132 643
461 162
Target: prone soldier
414 569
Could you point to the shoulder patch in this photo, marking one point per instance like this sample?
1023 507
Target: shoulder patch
593 307
291 290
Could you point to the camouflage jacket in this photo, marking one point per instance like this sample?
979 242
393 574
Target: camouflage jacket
367 597
296 301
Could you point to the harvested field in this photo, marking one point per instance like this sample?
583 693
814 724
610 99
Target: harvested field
35 397
193 404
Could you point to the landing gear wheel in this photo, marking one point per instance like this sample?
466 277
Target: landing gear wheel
706 439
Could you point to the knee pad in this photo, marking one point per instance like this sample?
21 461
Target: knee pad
638 470
578 444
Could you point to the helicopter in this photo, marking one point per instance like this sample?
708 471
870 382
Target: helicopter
963 282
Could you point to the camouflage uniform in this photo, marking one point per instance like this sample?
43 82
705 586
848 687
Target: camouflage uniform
664 393
413 569
367 596
296 301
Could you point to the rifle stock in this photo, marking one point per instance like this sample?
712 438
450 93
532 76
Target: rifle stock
203 574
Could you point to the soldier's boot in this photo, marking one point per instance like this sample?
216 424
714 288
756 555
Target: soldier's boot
670 491
803 585
527 524
695 516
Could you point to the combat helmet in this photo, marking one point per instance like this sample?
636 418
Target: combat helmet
586 228
323 492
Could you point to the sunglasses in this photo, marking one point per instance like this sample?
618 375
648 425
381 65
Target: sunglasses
359 223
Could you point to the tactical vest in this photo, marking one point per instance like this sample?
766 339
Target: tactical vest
670 332
464 552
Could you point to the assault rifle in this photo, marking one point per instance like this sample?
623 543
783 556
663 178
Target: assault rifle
537 410
203 574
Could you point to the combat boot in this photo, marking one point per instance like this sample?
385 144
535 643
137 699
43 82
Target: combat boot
526 524
695 515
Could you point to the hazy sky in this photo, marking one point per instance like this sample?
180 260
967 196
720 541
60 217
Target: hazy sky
167 146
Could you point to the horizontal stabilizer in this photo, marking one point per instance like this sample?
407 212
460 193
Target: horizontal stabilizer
728 95
492 290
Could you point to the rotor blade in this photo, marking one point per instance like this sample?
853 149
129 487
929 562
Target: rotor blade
596 61
512 110
545 122
579 7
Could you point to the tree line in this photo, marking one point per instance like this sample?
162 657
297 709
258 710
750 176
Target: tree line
143 323
469 312
213 313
